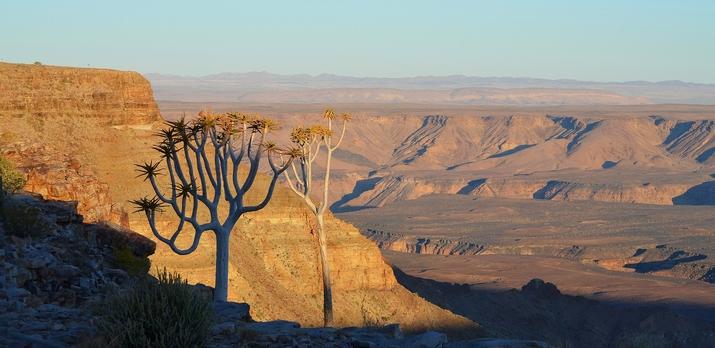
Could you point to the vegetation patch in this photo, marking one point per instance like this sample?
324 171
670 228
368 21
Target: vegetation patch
161 312
125 259
11 180
22 219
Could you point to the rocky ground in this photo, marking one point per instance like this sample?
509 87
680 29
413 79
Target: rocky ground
54 268
234 328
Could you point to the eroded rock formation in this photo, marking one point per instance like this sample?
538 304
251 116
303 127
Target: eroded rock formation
116 97
60 176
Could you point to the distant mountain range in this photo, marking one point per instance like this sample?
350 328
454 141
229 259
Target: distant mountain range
264 87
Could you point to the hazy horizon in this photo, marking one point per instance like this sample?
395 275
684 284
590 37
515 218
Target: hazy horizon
315 75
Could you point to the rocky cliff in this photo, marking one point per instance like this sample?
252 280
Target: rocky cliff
55 121
77 155
54 268
60 176
116 97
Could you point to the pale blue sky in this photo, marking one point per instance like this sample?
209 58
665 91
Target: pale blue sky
602 40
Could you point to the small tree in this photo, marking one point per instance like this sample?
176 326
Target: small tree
309 141
203 160
11 180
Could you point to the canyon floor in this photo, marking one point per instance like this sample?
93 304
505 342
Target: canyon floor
627 272
613 204
630 253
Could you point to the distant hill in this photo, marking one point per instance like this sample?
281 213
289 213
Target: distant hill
327 88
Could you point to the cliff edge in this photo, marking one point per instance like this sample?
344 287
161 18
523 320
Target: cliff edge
42 91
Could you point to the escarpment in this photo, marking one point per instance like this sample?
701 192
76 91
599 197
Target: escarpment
115 97
59 176
71 146
56 126
629 159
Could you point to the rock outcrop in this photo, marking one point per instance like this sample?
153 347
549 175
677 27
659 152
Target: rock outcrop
50 277
60 176
540 312
116 97
234 327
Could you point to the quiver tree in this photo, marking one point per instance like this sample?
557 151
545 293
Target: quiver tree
309 142
211 164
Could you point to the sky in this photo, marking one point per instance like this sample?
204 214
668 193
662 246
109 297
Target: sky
597 40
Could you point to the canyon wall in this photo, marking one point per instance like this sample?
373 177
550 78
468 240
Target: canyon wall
72 147
651 159
54 117
116 97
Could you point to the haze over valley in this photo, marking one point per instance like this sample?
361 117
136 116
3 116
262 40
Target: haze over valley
357 174
265 87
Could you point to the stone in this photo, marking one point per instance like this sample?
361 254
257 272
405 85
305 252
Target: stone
223 328
116 97
392 331
16 293
539 288
429 339
65 271
34 259
118 275
116 236
272 327
362 344
231 311
497 343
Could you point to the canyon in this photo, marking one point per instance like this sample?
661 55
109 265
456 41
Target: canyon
611 203
84 150
629 154
606 201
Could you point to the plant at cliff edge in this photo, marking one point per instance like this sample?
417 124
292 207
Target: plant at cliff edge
11 180
212 164
309 142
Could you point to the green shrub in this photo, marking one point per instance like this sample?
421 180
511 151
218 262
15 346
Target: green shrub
22 219
12 180
162 312
125 259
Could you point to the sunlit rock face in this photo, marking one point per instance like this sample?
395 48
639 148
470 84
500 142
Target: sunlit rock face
55 121
116 97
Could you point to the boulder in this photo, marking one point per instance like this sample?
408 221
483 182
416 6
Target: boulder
429 339
231 312
116 236
541 289
497 343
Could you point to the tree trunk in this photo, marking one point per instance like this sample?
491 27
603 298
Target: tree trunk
221 284
327 289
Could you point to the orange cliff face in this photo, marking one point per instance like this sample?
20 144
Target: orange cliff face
75 151
116 97
55 121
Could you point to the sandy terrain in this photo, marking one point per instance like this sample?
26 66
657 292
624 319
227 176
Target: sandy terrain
674 241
